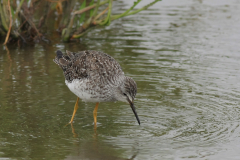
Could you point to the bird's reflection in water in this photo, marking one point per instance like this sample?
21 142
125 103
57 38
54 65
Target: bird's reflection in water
75 134
95 148
73 131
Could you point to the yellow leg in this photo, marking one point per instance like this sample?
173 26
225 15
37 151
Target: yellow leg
75 110
95 113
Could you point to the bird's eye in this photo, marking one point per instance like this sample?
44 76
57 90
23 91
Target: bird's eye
124 94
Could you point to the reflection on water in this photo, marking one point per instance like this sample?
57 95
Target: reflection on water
91 147
184 56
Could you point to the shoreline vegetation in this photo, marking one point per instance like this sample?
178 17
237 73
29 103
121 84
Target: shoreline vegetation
24 21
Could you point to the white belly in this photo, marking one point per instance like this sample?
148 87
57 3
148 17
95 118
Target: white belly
79 88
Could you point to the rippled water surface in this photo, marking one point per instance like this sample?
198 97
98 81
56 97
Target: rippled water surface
184 56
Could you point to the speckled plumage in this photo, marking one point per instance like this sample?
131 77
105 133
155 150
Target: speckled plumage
95 76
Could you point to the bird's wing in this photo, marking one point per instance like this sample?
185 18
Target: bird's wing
94 65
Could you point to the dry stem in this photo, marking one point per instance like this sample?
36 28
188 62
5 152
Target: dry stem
10 24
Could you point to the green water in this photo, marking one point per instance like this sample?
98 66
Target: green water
184 56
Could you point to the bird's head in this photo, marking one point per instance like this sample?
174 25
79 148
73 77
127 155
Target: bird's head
128 92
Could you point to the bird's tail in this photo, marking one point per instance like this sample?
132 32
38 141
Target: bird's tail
62 60
59 54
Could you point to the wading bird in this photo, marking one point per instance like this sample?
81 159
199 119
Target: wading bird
95 76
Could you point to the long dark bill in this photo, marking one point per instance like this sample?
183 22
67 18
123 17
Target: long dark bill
134 110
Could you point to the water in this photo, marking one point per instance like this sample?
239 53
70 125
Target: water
184 56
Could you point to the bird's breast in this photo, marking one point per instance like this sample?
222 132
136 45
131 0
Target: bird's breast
89 92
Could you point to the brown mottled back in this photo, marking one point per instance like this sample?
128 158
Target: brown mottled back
94 65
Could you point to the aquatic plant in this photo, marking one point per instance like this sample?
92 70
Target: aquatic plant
25 20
